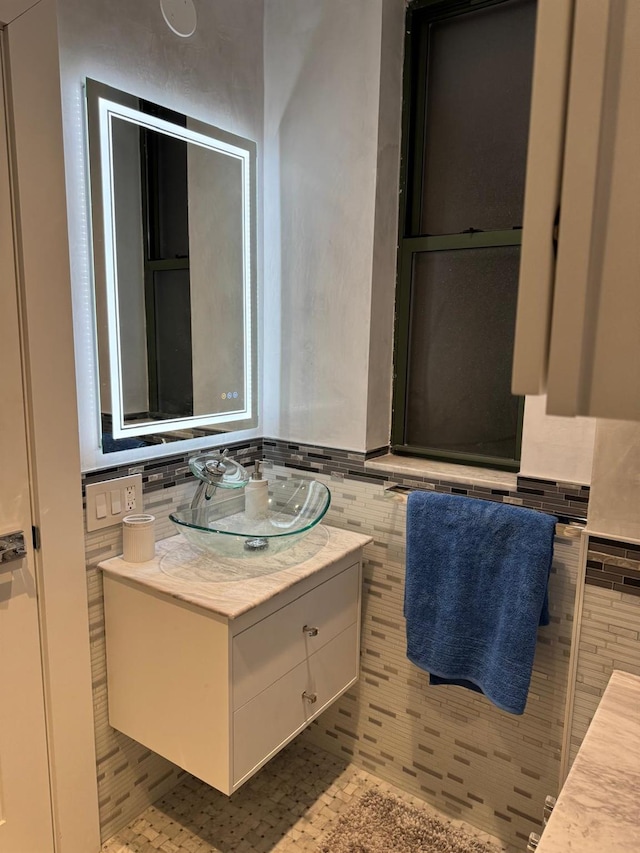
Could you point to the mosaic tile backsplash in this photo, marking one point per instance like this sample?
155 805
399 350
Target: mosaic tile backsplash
612 564
610 627
443 744
566 500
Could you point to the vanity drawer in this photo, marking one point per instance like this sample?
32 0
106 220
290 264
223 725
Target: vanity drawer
263 725
270 648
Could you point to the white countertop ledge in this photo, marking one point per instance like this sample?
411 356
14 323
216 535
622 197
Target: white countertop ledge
231 587
597 809
412 466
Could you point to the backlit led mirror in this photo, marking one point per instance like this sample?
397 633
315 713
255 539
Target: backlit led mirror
173 209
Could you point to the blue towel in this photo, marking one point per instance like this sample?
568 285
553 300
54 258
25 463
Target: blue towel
475 592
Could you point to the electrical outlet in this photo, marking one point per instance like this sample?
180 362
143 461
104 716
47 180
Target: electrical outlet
130 502
108 502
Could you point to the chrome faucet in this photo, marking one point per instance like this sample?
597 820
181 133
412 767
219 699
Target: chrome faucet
215 470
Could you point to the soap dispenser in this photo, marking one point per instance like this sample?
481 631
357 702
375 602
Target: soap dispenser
256 495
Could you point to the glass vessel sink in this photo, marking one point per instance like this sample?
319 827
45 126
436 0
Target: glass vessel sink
222 527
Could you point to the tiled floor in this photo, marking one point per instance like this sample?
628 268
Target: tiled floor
290 805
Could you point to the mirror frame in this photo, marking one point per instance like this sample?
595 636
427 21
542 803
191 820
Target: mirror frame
103 104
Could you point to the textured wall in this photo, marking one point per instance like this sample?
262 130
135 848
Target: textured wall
555 447
615 509
384 260
322 92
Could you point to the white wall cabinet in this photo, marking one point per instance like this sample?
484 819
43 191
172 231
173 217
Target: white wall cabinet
578 324
220 696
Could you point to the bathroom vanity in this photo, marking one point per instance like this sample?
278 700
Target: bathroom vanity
216 664
597 808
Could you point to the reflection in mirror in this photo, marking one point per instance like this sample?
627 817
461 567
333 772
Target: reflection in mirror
173 207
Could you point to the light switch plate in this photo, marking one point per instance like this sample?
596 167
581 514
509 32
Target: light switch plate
124 493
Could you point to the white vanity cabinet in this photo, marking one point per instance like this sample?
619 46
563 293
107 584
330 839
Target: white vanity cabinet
219 692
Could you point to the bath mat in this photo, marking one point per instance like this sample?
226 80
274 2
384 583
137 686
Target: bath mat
380 823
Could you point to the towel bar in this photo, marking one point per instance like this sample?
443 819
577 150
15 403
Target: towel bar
568 525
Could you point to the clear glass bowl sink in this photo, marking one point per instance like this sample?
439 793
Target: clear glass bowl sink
295 507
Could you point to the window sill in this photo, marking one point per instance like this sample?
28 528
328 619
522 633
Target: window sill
412 466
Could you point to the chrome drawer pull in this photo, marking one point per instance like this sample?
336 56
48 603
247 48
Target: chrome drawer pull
310 632
534 840
311 698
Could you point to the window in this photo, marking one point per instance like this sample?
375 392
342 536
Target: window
467 89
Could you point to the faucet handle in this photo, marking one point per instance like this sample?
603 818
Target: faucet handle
215 467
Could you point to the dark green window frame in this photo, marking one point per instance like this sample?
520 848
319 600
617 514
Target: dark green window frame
410 244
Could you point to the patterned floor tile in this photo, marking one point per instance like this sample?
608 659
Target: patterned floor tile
290 805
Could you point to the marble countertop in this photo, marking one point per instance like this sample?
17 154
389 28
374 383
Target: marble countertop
598 808
228 586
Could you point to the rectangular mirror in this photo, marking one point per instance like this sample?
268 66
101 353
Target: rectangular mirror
173 209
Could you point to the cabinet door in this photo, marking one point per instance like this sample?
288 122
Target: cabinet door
270 720
594 348
273 646
542 194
